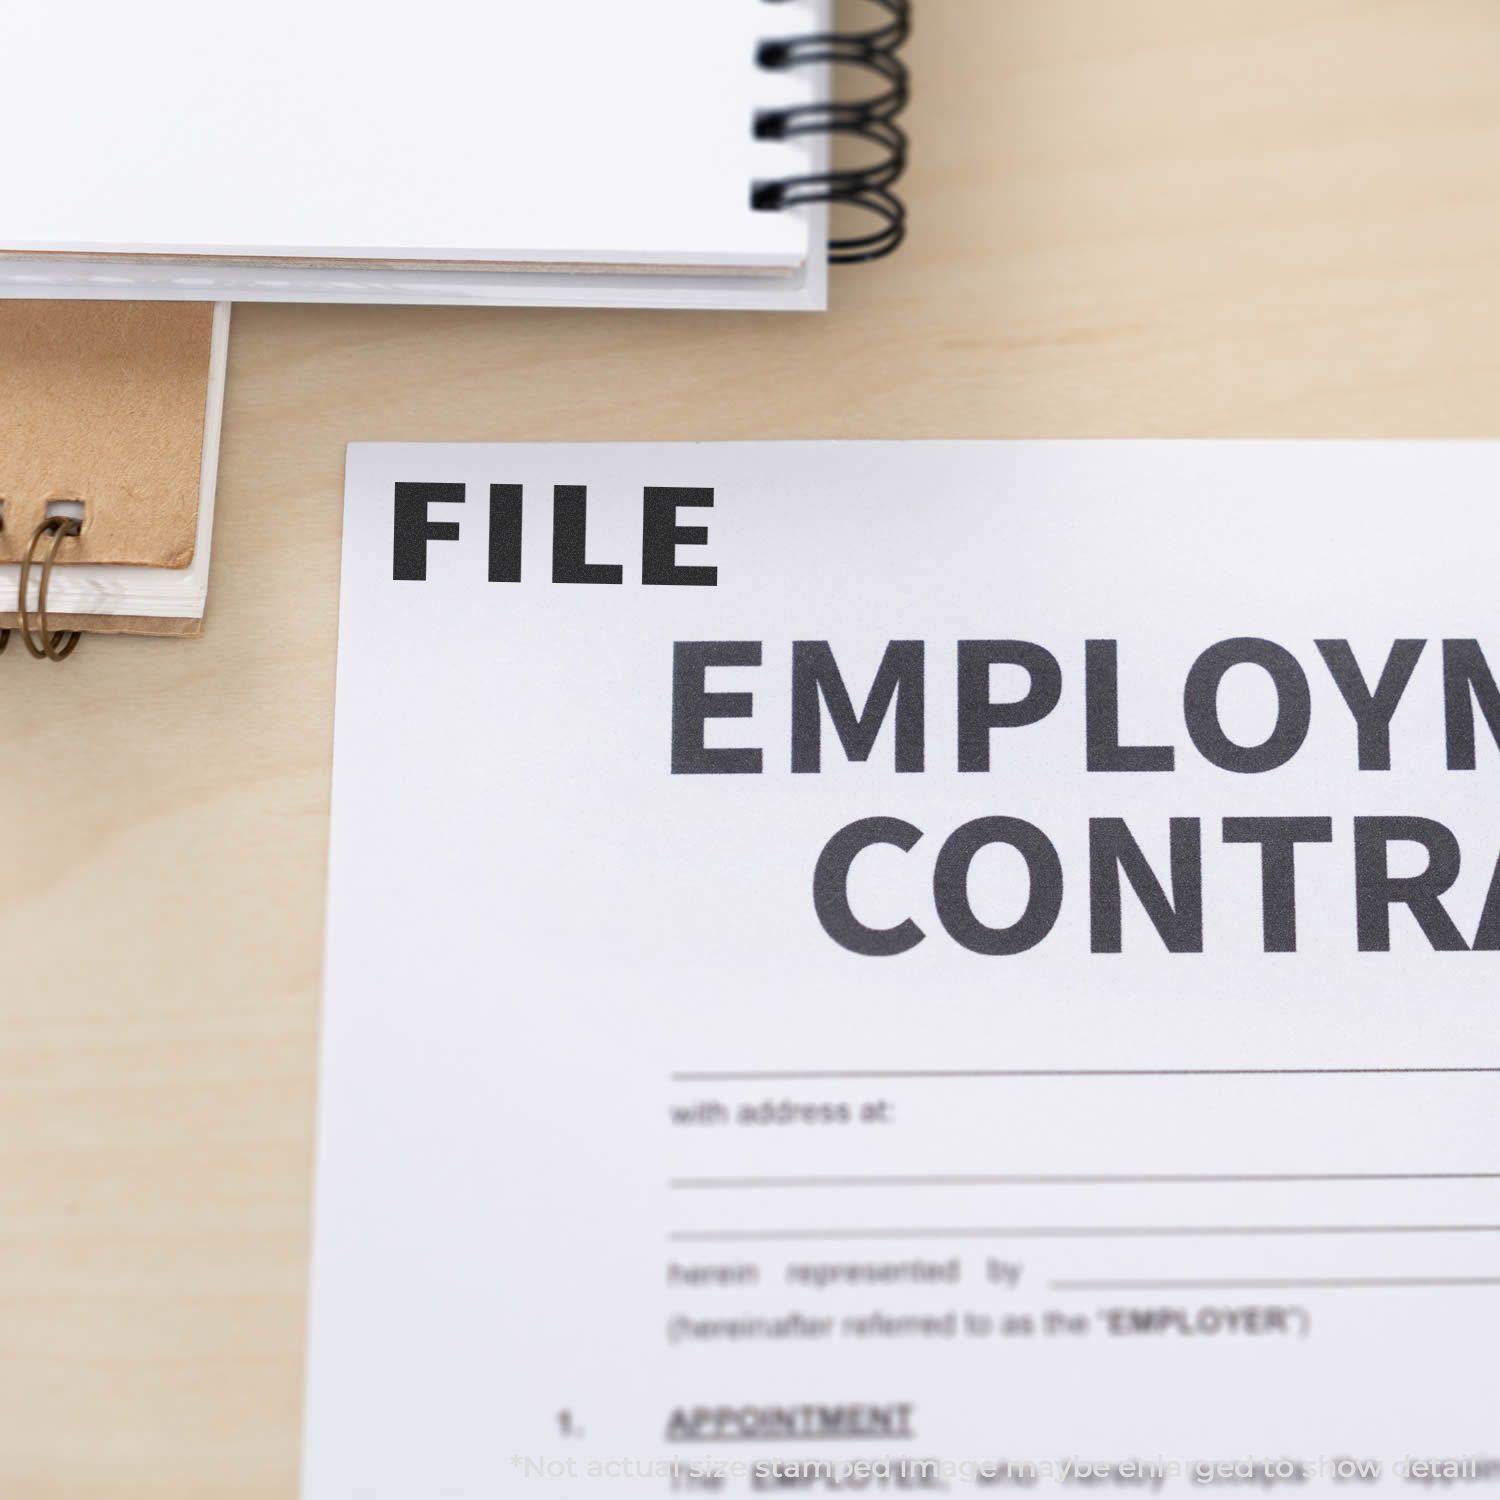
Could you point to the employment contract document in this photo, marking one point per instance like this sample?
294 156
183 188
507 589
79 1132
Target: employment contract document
881 967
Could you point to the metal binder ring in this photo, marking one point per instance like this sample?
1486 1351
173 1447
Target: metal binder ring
49 644
868 118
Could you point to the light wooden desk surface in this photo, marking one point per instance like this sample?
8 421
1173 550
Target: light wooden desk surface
1130 217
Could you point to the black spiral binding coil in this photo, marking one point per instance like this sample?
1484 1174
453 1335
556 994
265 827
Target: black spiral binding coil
870 121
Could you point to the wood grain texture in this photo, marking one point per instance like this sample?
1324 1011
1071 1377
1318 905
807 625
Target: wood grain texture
1130 217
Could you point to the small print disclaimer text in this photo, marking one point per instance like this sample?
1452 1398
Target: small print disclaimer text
764 1475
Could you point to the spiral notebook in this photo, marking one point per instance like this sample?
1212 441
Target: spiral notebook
656 153
109 424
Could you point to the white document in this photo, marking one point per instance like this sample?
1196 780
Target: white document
303 149
991 985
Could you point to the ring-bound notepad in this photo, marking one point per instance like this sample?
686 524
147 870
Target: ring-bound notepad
591 152
109 414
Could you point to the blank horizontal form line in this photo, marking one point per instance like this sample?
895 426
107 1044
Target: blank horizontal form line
829 1074
1077 1231
1068 1179
1267 1284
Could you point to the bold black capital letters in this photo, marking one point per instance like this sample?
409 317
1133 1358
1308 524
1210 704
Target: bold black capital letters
1376 890
1487 938
1200 702
1101 711
831 888
693 706
570 539
950 886
815 679
505 533
1278 839
661 536
1466 672
977 715
1178 921
1372 711
412 530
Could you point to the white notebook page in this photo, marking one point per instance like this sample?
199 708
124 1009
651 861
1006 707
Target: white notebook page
556 131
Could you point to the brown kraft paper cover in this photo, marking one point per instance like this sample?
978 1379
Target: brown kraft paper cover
103 402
